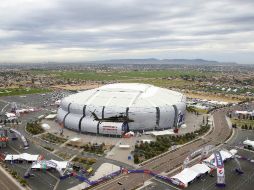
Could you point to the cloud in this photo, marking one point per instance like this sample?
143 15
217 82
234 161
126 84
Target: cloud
80 30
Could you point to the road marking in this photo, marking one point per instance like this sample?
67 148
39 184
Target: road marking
4 107
111 181
14 149
52 175
56 185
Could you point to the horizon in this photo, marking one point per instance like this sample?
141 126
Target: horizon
84 31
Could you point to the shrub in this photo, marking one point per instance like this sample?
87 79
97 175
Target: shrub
53 138
34 128
48 148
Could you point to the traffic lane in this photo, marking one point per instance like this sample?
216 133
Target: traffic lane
233 180
40 179
125 182
220 133
240 136
6 183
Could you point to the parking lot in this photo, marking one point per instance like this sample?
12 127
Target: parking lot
47 180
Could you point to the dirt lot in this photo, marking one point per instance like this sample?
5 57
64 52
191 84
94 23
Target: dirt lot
86 86
212 97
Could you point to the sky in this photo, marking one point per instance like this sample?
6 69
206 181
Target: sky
36 31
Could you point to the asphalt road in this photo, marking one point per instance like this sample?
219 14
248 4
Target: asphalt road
162 164
173 159
233 180
6 183
43 180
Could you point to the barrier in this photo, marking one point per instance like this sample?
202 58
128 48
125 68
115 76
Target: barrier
122 170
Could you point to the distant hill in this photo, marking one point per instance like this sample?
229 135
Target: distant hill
163 61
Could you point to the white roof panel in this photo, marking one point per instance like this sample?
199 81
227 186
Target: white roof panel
200 168
186 176
127 95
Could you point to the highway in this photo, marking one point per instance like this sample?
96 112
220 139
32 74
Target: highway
174 159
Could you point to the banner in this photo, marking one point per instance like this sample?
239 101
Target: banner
220 169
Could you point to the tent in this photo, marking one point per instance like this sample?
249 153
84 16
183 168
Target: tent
51 116
50 164
45 126
224 154
24 156
249 143
186 176
200 168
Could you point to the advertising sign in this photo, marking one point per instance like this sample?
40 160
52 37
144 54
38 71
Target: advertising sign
220 169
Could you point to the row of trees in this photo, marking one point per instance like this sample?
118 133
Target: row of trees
243 126
13 121
247 127
144 151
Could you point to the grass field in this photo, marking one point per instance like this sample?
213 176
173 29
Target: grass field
116 75
241 122
21 91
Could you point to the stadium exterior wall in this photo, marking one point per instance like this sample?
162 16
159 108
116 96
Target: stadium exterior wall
146 110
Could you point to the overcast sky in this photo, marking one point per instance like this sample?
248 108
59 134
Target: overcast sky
81 30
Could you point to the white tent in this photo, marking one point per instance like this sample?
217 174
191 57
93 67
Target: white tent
200 168
224 154
10 115
50 164
161 133
248 143
186 176
233 151
51 116
24 156
45 126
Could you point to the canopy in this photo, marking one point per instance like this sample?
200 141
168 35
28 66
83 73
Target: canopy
51 116
161 133
24 156
50 164
224 154
200 168
186 176
249 143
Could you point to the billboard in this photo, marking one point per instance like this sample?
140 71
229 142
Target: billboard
220 169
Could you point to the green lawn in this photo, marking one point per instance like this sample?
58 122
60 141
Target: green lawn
117 75
53 138
21 91
240 122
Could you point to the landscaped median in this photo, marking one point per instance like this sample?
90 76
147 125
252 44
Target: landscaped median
85 162
94 148
34 128
145 151
53 138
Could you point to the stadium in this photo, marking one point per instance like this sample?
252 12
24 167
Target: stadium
115 109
